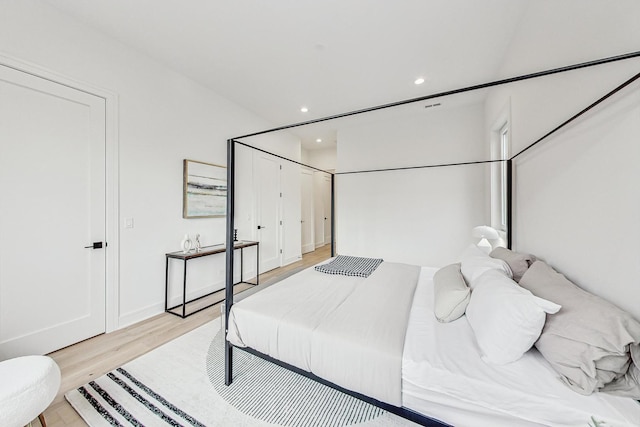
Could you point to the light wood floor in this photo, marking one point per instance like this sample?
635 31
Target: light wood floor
90 359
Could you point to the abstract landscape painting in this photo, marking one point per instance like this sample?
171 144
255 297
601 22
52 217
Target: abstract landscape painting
205 190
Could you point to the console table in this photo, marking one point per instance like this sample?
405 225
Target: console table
205 251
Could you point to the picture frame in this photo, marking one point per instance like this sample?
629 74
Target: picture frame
204 192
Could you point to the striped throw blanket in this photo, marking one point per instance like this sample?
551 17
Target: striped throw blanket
350 266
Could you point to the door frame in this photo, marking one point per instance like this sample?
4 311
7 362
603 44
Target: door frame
112 208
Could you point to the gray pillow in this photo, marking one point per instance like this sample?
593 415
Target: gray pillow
589 340
450 293
518 262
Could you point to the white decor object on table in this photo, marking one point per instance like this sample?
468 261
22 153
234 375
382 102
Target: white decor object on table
186 244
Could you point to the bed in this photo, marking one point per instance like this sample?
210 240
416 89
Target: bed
446 370
311 321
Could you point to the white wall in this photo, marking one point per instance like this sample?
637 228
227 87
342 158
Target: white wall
325 159
422 216
164 117
578 201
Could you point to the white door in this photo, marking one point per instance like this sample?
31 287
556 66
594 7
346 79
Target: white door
52 187
268 218
307 212
318 208
326 194
290 215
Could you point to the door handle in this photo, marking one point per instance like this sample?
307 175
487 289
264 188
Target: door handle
260 227
96 245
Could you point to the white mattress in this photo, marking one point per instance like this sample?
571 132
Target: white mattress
443 376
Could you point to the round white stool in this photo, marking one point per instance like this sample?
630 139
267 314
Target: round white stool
28 385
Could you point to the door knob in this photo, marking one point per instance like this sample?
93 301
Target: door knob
96 245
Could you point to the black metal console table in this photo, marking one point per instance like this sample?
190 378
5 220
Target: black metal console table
205 251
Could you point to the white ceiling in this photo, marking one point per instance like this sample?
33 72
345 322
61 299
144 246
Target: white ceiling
273 57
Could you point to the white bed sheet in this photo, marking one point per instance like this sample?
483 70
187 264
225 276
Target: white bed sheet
443 376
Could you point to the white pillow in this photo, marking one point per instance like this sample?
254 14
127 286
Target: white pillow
474 262
506 318
450 293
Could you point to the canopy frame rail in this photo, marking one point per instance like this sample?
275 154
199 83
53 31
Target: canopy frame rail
579 114
522 77
511 163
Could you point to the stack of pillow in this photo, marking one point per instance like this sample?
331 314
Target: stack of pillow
593 344
512 301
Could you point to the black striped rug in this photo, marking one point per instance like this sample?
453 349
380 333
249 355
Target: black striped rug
276 395
181 384
154 406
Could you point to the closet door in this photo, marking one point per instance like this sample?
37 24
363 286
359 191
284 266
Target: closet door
52 182
268 199
291 215
326 205
307 222
318 209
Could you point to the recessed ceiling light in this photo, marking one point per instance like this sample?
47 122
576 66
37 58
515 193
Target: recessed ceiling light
304 109
319 140
419 81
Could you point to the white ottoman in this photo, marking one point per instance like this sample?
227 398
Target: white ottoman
29 384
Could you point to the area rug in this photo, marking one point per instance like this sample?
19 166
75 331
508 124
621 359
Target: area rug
181 384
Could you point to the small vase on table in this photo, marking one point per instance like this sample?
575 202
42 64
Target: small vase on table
187 244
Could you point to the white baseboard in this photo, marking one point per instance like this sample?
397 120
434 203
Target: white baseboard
291 260
136 316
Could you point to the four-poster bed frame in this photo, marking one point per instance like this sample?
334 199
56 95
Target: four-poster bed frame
231 145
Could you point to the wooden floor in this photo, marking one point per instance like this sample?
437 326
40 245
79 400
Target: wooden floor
82 362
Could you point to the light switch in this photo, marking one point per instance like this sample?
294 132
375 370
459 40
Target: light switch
128 223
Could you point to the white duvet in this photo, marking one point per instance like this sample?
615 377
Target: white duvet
442 362
347 330
259 322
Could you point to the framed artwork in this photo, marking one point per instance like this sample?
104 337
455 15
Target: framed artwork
204 190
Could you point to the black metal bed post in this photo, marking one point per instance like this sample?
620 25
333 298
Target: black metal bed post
228 348
333 215
509 203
